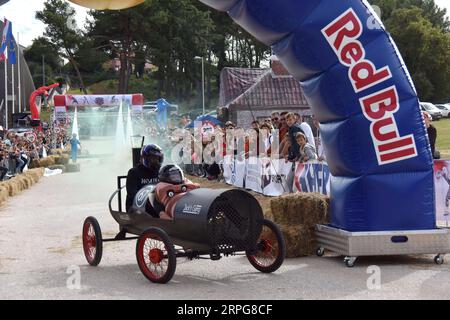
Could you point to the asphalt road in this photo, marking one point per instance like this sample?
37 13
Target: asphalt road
41 257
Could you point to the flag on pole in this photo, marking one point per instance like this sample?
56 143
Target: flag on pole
8 42
4 40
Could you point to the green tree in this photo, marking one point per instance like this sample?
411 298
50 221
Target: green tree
421 30
167 33
430 11
40 48
62 32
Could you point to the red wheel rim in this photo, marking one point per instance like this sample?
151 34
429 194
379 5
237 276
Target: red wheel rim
153 256
156 255
89 241
268 250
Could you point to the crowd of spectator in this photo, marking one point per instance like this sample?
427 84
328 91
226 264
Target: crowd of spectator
296 142
18 149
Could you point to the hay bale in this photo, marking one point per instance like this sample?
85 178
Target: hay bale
300 240
46 162
12 186
58 152
35 164
307 209
35 174
19 179
62 159
4 194
26 181
72 167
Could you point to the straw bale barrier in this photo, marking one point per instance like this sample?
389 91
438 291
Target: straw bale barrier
297 214
50 161
300 241
15 185
4 193
306 209
62 159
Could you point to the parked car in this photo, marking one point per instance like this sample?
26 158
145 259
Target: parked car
434 112
445 109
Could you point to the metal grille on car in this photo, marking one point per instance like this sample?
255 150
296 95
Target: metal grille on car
228 229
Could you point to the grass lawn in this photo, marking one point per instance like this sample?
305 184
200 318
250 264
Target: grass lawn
443 137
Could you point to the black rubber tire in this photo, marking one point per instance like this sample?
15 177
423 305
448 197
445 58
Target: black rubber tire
97 257
280 253
170 255
438 260
320 252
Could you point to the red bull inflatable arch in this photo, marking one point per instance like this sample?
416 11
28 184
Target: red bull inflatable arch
360 90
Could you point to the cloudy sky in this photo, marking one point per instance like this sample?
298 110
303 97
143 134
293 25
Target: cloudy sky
22 14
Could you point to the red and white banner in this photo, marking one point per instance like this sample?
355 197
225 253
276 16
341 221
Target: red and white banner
136 101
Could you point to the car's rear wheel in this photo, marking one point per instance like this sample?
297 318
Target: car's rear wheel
270 249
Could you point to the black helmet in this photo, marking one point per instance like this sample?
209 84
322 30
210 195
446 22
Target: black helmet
171 174
152 156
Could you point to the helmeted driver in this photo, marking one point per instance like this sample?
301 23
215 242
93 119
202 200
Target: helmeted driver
146 172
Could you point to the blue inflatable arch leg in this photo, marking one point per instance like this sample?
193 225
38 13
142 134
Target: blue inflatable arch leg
360 90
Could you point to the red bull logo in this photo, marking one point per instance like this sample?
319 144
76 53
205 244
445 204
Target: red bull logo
379 108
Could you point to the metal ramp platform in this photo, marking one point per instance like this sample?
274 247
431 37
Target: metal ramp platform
377 243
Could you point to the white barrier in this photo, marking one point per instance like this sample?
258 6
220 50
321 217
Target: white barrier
275 177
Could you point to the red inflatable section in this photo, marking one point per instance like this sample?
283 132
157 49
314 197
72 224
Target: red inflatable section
42 90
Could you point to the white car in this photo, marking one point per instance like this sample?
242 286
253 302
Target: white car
434 112
445 109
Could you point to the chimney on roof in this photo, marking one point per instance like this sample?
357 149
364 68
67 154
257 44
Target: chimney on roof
277 67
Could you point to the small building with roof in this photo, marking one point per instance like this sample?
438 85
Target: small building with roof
253 94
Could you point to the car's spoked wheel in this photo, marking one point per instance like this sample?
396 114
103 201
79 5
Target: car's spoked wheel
156 256
92 241
271 249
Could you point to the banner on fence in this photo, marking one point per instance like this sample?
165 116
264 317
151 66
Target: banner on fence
234 171
253 175
442 190
312 177
277 176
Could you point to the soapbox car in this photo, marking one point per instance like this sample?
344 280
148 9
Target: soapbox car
207 224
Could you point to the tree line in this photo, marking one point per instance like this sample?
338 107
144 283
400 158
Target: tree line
156 43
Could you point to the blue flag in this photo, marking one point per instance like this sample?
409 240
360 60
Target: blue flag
11 47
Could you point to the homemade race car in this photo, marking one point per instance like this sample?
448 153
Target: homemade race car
207 224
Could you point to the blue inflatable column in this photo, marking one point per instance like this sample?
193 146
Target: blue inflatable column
360 90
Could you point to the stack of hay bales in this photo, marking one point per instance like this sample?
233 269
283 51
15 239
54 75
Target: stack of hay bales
18 183
50 161
297 214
